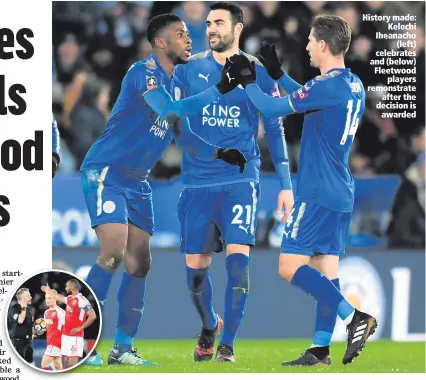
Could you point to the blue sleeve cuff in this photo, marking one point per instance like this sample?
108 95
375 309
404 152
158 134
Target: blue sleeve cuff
283 171
288 84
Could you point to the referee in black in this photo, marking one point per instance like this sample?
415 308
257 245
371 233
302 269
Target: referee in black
20 323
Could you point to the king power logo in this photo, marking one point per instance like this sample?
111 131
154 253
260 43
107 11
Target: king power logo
215 115
159 128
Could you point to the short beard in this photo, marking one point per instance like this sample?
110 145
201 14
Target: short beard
224 44
175 59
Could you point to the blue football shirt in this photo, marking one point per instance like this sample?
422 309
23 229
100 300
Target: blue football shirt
333 105
135 136
232 121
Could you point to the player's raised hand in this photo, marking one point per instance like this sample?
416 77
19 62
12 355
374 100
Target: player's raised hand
45 288
269 58
226 83
232 157
242 70
286 201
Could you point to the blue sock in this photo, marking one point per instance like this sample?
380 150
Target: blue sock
318 286
201 290
99 280
131 301
237 289
325 320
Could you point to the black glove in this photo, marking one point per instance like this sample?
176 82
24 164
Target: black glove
55 164
227 83
269 58
242 70
232 157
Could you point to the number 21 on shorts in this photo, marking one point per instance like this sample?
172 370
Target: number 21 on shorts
238 210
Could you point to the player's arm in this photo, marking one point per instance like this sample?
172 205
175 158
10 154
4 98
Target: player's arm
90 314
269 59
55 147
56 296
275 136
162 103
313 96
193 144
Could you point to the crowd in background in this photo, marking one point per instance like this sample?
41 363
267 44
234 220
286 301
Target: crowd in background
94 43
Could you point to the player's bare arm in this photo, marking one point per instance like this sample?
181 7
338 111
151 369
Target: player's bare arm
56 296
91 316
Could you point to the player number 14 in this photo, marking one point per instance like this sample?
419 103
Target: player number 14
352 122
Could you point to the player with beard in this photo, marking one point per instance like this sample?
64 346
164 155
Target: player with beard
116 168
78 316
218 207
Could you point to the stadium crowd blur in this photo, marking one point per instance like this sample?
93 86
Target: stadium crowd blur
95 43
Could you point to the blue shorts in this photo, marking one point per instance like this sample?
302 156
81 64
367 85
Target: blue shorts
213 217
116 195
312 229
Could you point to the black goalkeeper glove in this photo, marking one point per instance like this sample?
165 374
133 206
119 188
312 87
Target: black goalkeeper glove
242 70
269 58
227 83
232 157
55 164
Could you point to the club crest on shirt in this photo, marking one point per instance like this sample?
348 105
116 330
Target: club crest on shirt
151 83
177 93
301 94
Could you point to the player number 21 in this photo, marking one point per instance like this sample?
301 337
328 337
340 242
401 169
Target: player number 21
351 121
239 210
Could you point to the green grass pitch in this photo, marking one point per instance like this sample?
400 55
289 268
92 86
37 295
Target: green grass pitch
266 356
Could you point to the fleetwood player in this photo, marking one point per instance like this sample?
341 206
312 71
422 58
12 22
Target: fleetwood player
55 320
78 308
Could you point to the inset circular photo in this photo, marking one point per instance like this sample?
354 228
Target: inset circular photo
54 321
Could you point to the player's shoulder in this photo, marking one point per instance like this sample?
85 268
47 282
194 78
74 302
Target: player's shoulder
252 58
200 56
15 308
194 62
333 81
82 298
145 66
332 78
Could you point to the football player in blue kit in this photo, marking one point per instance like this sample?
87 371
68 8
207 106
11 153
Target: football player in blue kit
115 170
55 147
218 207
316 231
